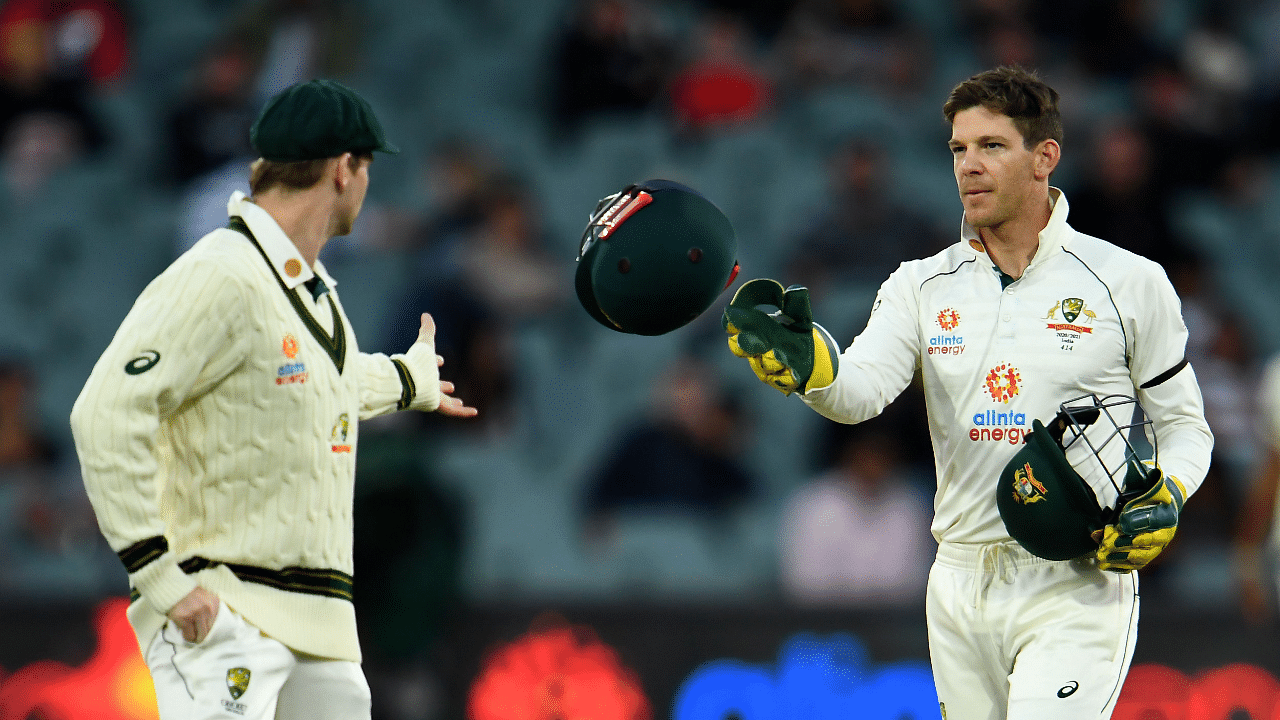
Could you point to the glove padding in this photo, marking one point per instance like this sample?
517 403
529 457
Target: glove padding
787 350
1144 527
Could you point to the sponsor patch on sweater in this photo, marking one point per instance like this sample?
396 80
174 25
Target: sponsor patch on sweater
291 373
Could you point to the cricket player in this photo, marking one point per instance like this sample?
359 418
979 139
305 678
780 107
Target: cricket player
217 434
1018 317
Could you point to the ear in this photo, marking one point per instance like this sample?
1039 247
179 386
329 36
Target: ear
342 171
1047 155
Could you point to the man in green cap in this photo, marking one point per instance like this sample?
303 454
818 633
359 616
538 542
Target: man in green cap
217 434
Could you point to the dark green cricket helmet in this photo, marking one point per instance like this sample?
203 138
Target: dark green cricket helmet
654 257
1047 505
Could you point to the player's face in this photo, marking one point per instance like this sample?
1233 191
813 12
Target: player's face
353 196
995 173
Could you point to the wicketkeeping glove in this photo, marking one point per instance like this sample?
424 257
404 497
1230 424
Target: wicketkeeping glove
787 349
1144 528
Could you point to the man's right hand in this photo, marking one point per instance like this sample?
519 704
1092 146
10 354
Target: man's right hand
194 614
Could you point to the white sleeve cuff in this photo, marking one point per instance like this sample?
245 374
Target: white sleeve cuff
419 377
162 583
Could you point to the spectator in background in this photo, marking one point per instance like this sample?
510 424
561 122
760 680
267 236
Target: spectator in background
681 458
1255 536
483 277
291 41
1171 117
51 56
857 534
1111 39
81 39
723 83
862 42
610 60
861 234
458 174
1121 198
49 543
210 127
1221 72
765 18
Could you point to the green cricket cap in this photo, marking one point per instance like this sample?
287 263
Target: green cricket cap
317 119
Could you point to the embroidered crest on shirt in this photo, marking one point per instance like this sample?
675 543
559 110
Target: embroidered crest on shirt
1073 309
237 684
1003 383
292 372
338 437
947 319
1026 489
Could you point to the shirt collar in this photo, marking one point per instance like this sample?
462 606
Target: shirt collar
280 250
1052 239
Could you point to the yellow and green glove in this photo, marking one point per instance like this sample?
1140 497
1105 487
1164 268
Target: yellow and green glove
1144 528
786 348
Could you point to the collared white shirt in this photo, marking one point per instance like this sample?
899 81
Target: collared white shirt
1085 317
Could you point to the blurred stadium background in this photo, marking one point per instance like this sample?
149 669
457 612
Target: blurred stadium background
648 489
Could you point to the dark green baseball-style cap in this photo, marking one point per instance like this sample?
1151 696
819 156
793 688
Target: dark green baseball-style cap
317 119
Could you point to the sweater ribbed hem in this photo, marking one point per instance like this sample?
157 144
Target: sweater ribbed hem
311 624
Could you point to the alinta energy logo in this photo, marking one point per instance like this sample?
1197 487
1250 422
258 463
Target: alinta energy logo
1003 383
948 319
996 426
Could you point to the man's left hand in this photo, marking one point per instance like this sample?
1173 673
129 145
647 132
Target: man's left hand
450 405
1145 527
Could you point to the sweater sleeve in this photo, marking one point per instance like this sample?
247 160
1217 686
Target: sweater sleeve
404 381
183 335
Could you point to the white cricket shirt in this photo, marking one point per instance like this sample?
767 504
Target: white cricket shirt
1085 317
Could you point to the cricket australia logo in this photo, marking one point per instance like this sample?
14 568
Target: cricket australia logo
1026 489
1069 332
1003 383
338 436
237 682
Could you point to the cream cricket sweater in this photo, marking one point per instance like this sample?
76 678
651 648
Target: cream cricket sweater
217 436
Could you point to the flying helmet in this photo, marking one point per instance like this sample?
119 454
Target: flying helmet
653 257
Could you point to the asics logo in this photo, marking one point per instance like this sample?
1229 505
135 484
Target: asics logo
1069 689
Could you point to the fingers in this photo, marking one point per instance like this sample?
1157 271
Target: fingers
439 361
452 406
427 333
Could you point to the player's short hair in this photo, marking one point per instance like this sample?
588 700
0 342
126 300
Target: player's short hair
299 175
1016 93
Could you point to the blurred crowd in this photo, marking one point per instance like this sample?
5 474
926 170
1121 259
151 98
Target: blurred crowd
1170 151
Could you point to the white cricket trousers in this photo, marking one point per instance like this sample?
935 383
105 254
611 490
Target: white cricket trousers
1016 637
238 673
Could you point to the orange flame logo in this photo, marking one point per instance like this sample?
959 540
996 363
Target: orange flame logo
1003 383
